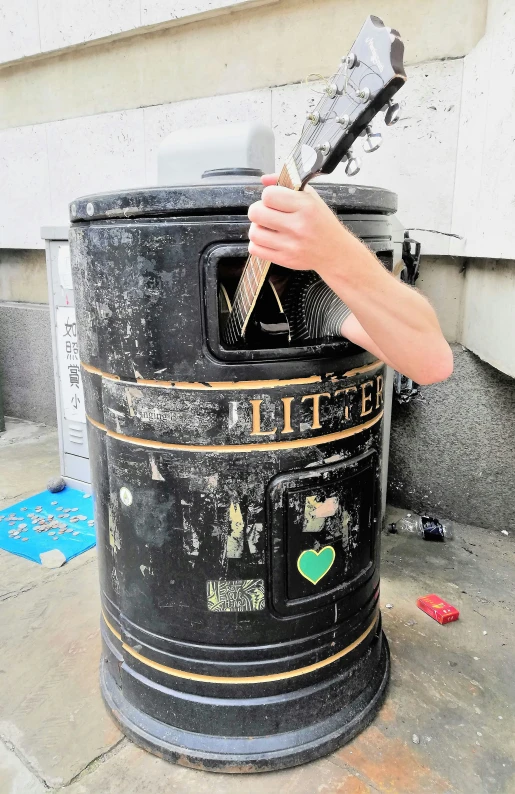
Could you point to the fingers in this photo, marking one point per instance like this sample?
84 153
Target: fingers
267 254
269 179
263 237
311 191
282 198
271 219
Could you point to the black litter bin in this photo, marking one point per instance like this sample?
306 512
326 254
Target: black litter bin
237 493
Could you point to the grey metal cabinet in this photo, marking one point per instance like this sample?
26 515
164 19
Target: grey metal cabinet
71 416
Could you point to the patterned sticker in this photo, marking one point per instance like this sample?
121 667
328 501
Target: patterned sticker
238 595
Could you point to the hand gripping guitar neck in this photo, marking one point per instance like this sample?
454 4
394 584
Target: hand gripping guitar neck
364 84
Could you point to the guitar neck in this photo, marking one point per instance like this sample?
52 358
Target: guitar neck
364 84
255 272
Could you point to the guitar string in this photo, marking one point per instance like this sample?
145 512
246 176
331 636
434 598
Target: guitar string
311 134
259 265
348 81
314 132
249 272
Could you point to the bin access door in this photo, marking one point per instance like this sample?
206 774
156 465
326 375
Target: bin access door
322 533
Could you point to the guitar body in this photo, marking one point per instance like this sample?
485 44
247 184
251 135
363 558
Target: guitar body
267 326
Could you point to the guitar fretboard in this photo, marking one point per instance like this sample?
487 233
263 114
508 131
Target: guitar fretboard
254 274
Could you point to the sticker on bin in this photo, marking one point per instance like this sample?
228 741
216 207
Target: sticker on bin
438 609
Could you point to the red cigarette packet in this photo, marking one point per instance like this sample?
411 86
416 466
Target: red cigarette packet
437 608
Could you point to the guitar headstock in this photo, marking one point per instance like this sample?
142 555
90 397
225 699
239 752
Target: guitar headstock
365 83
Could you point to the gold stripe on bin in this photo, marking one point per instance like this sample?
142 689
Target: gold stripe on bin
230 385
97 371
111 627
250 679
232 448
97 424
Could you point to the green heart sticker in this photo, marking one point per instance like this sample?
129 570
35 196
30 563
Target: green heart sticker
313 565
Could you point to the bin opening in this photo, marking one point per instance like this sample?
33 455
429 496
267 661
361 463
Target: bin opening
268 327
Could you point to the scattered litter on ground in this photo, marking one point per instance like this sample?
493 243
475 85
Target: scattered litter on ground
505 532
432 529
425 527
438 609
32 522
52 559
415 739
389 606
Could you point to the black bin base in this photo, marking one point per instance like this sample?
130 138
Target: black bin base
244 754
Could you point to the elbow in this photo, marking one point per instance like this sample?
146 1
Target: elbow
439 368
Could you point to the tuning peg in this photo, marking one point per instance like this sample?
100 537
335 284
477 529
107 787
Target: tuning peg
363 95
373 140
343 120
353 163
325 148
392 114
350 60
331 89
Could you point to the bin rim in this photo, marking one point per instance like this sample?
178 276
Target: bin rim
219 199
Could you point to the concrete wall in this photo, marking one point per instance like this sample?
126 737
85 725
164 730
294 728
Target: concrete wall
23 276
452 451
484 210
442 280
47 165
91 116
26 372
37 27
488 317
475 302
26 362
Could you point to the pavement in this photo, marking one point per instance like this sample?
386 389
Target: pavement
447 724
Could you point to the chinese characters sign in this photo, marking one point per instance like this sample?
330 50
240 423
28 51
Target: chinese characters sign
69 366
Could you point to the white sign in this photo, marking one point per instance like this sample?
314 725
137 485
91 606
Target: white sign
72 396
64 266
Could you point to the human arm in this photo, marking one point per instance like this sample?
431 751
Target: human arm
394 321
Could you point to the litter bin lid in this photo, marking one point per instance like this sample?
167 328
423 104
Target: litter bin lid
214 197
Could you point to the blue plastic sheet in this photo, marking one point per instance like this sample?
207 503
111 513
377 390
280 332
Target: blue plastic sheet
31 544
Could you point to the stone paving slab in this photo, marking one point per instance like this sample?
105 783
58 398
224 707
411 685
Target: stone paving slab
15 778
29 456
20 575
17 431
50 705
451 685
133 771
